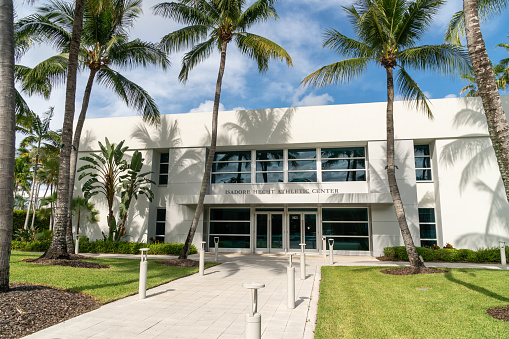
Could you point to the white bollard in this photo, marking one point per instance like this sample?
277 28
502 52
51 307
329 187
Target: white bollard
290 271
503 259
202 258
142 290
77 246
302 261
253 318
324 247
216 247
331 254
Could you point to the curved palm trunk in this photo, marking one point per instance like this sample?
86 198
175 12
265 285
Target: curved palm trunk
7 135
488 90
58 246
413 256
37 192
210 157
74 156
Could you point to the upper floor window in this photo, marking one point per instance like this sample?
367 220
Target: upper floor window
231 167
160 224
163 168
269 166
343 164
422 162
302 165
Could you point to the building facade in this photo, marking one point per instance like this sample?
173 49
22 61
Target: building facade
287 176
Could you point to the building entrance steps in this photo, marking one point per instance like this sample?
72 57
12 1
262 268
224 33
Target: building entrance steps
215 305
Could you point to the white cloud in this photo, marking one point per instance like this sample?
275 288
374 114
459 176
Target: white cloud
240 108
311 99
206 106
451 96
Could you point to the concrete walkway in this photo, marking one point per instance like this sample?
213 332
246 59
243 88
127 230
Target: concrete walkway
215 305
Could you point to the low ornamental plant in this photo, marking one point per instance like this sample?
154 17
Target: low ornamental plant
448 253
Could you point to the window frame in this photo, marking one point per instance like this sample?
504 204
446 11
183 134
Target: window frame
423 168
434 223
161 164
322 161
158 237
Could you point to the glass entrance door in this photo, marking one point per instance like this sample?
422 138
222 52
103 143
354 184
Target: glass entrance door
302 229
269 232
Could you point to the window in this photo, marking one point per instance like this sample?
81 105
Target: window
269 166
343 164
160 224
427 227
231 167
348 227
232 226
163 168
422 163
302 165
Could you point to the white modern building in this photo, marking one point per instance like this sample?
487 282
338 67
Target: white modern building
291 175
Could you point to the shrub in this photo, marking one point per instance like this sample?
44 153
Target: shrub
41 220
124 247
448 254
36 245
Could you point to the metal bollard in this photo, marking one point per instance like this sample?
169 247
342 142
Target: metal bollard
253 318
302 261
324 246
290 271
202 258
142 290
216 247
331 254
503 259
77 247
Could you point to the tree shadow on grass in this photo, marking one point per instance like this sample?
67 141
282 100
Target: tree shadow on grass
450 276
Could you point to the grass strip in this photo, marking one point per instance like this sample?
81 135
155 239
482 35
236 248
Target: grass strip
105 285
362 302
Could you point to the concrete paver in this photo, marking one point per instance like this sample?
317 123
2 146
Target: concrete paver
215 305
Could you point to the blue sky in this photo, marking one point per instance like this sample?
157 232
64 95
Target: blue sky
299 30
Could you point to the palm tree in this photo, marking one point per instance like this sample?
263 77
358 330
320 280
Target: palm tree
103 173
83 206
388 32
467 21
7 137
214 24
105 43
472 90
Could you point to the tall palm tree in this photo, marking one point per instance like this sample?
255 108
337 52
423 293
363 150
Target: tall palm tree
7 137
105 44
467 21
39 134
388 32
213 24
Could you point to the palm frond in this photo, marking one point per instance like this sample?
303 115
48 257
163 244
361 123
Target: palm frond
183 14
346 46
416 19
197 54
443 59
184 38
132 94
41 28
262 50
412 93
137 53
455 29
259 11
342 71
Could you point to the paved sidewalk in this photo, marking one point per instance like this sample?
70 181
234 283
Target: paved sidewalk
215 305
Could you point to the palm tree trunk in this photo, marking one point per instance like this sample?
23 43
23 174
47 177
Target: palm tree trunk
208 165
32 189
37 190
7 138
74 155
488 90
413 256
58 246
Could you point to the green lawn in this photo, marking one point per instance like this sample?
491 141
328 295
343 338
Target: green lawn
361 302
106 285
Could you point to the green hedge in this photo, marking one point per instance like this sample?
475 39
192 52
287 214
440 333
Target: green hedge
100 246
448 254
41 222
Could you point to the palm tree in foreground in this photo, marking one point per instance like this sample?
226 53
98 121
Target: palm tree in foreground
105 45
388 32
217 23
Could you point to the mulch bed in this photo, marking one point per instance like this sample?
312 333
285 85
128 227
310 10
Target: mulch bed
411 270
30 308
74 261
179 262
501 313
